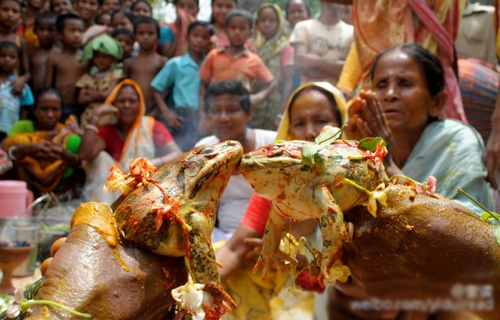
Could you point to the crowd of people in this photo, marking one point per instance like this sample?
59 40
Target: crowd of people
89 84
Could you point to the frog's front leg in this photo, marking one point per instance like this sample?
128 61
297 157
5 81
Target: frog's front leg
203 266
335 232
271 257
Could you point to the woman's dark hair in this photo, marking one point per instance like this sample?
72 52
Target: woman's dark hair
212 20
326 93
124 31
198 23
47 90
240 13
197 2
235 87
147 20
430 64
132 7
126 12
304 2
45 16
16 1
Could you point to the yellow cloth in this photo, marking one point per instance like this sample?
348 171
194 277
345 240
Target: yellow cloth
284 126
50 172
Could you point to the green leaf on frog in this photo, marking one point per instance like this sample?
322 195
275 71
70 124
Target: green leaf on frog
370 144
329 135
308 153
497 233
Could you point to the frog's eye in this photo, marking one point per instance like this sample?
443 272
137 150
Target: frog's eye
209 153
193 166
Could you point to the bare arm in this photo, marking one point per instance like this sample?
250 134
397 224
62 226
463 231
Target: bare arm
126 67
258 97
92 145
288 75
202 116
309 63
493 145
49 71
174 120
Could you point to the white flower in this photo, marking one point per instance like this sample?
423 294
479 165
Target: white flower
191 297
13 311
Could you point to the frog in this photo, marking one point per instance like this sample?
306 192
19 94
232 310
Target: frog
171 211
311 180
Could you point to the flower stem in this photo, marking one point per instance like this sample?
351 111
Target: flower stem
24 305
334 135
476 202
357 186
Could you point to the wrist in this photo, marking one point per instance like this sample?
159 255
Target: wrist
93 120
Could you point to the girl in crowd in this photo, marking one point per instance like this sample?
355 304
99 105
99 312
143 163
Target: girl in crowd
103 52
122 19
311 107
296 11
45 151
276 52
133 135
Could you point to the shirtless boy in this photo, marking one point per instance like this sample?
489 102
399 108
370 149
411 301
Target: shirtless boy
143 68
45 31
64 68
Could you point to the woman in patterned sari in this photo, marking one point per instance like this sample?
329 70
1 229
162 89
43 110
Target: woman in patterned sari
133 135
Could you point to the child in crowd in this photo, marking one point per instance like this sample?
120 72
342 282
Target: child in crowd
144 67
126 39
276 52
10 104
142 8
25 28
109 6
122 19
87 10
174 42
296 11
65 68
60 7
321 45
220 9
45 31
103 19
94 86
10 16
179 77
236 62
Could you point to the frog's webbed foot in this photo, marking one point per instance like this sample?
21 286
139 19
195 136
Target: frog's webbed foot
220 304
271 257
335 232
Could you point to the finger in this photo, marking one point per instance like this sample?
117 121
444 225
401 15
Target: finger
56 245
363 128
253 242
45 265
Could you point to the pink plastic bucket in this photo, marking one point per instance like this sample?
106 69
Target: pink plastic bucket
14 199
